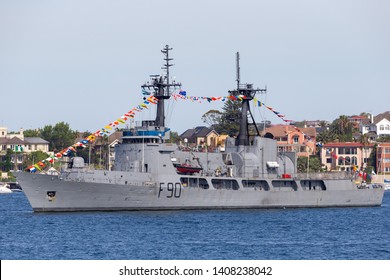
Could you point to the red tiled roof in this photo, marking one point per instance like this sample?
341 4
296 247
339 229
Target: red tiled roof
282 130
345 144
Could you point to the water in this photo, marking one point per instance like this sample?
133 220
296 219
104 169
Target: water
285 234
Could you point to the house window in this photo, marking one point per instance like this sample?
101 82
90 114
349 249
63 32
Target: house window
381 127
387 127
329 160
354 160
296 139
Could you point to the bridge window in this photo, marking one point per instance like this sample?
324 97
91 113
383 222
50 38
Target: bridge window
225 184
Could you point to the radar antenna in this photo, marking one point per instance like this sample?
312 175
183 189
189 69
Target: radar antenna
161 85
248 93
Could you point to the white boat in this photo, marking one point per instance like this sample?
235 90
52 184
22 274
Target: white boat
4 188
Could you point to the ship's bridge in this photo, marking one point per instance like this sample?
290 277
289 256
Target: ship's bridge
147 133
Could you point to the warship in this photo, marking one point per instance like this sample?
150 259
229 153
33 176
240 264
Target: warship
149 173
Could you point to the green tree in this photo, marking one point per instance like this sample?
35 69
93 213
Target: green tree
372 160
31 133
59 136
230 118
7 164
212 118
326 136
342 128
383 138
174 137
84 152
35 157
314 164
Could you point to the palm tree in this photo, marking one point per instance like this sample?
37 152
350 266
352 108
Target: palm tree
364 140
342 127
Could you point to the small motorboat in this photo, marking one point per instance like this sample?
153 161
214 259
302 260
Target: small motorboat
187 169
4 188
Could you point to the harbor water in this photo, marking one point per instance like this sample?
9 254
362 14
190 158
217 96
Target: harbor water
281 234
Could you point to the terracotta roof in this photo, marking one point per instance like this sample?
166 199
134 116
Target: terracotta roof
345 144
358 117
283 130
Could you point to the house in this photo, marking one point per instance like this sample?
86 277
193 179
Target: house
383 158
380 125
202 136
317 123
104 149
357 120
383 127
20 145
345 156
293 139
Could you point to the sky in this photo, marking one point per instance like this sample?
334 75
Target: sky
83 62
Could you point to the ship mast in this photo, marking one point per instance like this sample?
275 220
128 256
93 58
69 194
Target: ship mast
161 86
248 93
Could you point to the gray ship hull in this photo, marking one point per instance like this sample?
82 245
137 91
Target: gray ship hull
53 193
150 173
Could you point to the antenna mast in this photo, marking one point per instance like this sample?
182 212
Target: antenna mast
247 92
161 87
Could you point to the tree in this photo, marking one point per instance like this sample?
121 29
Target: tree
60 136
174 137
326 136
342 128
35 157
31 133
7 164
383 138
230 118
212 118
314 164
364 141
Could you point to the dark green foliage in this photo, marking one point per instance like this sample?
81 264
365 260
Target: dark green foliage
314 164
59 136
7 164
35 157
343 129
230 118
174 137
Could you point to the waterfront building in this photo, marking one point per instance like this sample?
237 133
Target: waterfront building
202 137
292 139
383 158
380 125
21 146
345 156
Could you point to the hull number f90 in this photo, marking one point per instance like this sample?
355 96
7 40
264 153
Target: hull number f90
171 190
